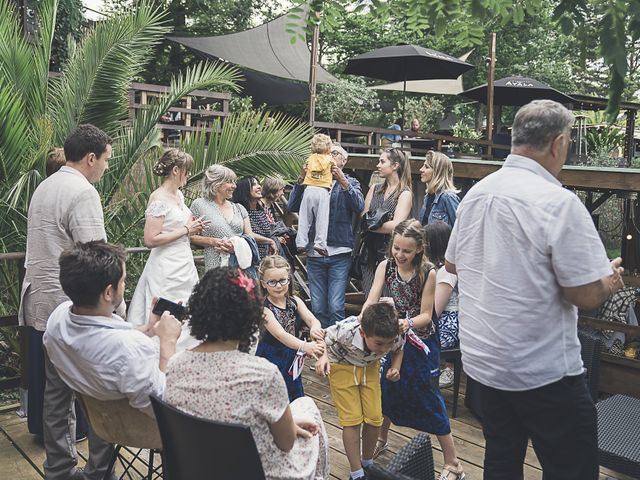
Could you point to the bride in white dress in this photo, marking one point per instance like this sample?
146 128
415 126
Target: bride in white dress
169 272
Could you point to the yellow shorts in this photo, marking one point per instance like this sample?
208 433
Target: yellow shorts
356 393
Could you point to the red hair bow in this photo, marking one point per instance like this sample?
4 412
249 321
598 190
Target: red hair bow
245 282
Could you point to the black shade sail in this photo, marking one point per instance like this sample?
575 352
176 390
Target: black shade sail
406 62
265 49
517 91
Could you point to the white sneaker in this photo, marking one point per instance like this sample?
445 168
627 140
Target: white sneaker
446 378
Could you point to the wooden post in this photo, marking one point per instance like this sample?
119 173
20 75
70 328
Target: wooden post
312 70
628 138
490 75
187 117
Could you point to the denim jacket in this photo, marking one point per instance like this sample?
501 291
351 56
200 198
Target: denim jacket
444 208
344 204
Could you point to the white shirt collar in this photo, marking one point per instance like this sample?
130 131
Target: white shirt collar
72 170
114 321
519 161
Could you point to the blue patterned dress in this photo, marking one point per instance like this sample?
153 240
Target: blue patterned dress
277 353
415 400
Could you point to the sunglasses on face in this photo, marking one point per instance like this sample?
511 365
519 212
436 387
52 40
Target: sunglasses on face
273 283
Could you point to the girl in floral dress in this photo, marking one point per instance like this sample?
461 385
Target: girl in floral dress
415 400
284 312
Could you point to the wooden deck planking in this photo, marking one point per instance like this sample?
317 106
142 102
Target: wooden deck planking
13 464
21 457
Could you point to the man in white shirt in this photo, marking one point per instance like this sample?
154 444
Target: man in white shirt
93 350
65 208
527 255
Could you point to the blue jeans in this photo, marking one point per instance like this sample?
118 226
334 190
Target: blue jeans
328 278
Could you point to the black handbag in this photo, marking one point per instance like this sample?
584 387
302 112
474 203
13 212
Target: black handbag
374 220
278 229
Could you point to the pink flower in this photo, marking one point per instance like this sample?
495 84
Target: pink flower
245 282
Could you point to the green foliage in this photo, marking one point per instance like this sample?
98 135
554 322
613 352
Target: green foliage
37 113
239 104
614 24
348 101
428 110
605 139
462 130
69 25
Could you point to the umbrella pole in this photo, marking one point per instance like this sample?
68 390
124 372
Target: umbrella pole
404 98
491 74
312 71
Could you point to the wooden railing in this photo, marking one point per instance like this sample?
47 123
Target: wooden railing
415 143
194 112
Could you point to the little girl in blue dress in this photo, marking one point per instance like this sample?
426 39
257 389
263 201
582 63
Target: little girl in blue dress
284 314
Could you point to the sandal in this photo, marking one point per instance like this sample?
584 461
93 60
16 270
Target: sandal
381 446
449 472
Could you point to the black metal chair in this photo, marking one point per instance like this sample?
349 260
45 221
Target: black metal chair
591 351
198 449
453 355
414 461
619 434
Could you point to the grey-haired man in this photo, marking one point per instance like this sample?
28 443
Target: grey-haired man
328 275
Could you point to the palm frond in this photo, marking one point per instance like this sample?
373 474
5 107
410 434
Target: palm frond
47 14
16 56
253 144
13 228
19 194
15 132
96 79
133 142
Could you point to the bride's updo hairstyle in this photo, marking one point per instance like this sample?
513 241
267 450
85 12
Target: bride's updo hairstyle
172 157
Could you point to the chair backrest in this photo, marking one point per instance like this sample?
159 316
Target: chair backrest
414 461
117 422
591 351
196 448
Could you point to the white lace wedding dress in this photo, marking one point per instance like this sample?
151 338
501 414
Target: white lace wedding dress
169 272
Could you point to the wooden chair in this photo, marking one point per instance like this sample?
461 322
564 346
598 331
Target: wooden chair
198 449
130 430
414 461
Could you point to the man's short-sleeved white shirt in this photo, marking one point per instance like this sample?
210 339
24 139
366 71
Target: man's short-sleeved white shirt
518 238
104 357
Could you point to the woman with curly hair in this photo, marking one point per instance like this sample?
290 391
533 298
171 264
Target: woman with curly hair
220 381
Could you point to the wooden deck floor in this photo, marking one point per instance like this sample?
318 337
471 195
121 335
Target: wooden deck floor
21 457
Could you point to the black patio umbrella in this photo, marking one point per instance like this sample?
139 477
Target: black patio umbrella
400 63
517 91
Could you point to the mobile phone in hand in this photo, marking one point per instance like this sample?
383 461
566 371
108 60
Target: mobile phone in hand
175 309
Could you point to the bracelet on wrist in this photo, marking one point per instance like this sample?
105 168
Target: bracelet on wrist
188 231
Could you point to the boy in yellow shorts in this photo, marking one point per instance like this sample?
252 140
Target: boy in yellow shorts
352 361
